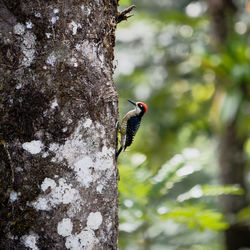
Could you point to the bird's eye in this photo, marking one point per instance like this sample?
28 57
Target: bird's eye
140 106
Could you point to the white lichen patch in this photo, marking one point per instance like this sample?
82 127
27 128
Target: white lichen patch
33 147
73 62
83 170
64 227
65 129
18 169
19 86
62 193
56 10
47 182
45 154
99 188
28 48
104 159
90 165
19 29
13 196
30 241
94 220
51 59
29 25
28 42
74 26
89 50
84 240
37 14
86 10
84 156
78 47
74 148
87 123
54 19
41 204
54 104
48 35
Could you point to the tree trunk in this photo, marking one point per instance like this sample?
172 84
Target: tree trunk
59 108
232 171
231 147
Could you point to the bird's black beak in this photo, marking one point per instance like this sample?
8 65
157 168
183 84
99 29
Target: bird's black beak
132 102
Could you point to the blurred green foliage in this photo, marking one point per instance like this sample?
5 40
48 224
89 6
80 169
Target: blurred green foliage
168 177
125 2
244 215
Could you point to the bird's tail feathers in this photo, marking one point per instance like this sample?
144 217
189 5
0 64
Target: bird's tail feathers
118 152
123 140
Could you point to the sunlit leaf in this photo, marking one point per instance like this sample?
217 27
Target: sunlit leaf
125 2
173 171
197 217
244 215
209 190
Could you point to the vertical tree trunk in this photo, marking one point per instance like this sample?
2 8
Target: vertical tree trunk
231 152
232 171
58 104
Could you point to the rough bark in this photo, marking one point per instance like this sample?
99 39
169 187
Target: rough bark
232 161
58 106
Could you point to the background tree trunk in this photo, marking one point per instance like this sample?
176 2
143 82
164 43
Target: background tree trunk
231 144
58 175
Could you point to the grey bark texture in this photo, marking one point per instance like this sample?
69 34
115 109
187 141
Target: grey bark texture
59 108
232 160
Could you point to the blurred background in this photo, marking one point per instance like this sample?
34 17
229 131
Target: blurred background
184 181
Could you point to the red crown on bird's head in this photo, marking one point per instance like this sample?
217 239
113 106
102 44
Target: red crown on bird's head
144 106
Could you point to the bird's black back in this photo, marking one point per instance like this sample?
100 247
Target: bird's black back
132 126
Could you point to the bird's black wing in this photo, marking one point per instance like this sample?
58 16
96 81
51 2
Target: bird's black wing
132 126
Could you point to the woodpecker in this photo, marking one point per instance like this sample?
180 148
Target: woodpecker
130 124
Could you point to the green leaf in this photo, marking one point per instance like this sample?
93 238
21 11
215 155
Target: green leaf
125 2
244 215
209 190
197 217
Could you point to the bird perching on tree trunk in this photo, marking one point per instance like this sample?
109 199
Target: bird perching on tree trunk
130 124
